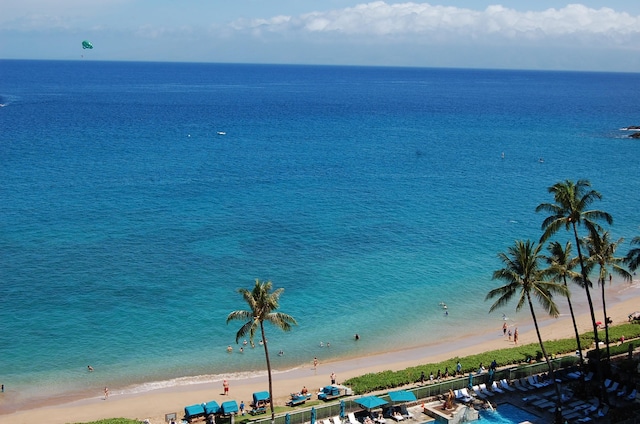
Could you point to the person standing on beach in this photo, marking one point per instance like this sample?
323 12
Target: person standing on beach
509 335
106 393
315 363
225 387
242 408
333 378
515 336
504 329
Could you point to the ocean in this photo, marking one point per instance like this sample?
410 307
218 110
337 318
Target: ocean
138 197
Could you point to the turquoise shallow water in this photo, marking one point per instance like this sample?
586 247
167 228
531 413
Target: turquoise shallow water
370 194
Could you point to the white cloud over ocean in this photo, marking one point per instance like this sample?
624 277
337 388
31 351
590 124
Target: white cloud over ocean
409 20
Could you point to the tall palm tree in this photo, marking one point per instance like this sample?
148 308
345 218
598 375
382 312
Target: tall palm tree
525 279
602 254
569 212
561 268
263 302
633 257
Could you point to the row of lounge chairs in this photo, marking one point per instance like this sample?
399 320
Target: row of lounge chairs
481 391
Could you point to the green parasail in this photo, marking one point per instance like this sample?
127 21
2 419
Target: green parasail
87 45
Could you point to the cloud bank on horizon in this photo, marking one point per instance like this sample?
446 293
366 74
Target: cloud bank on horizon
574 36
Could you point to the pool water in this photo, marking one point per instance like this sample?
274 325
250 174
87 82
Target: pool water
508 414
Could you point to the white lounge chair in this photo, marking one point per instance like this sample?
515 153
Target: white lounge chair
632 395
504 384
337 420
485 391
478 392
326 421
518 385
532 381
465 393
495 388
603 411
352 418
464 397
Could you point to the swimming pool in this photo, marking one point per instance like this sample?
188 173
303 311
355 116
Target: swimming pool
508 414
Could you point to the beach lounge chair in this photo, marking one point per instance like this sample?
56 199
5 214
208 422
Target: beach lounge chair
532 382
518 385
504 384
352 418
405 412
485 391
326 421
593 406
337 419
589 376
478 392
613 387
607 383
622 392
632 395
603 411
495 388
461 396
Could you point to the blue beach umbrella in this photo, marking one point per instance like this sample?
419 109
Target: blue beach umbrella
313 415
341 409
287 419
370 402
402 396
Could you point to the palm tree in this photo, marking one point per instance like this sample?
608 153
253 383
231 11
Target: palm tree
569 212
263 302
602 254
525 279
633 257
560 269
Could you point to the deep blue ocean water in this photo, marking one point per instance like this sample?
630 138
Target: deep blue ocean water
127 223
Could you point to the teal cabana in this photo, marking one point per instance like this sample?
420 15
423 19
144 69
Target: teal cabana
194 412
229 407
211 407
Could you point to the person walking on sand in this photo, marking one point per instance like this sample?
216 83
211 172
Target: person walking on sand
225 386
333 378
106 393
509 333
515 336
315 363
242 408
504 329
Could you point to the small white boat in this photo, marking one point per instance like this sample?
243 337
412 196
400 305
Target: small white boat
222 133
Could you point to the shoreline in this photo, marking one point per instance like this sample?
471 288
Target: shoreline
153 404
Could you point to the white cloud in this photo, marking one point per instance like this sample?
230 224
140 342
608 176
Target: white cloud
411 20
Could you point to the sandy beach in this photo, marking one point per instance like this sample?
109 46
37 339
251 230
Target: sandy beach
153 405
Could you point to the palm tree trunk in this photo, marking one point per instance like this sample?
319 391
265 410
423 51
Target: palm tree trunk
266 355
585 281
606 322
552 375
575 329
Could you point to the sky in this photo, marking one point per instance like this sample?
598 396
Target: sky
588 35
